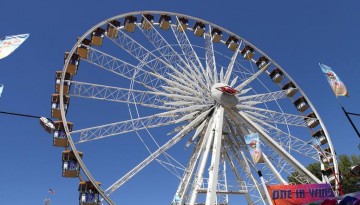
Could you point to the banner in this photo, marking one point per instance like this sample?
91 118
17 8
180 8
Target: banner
253 143
299 193
9 44
335 83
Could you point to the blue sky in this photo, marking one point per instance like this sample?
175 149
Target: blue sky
297 35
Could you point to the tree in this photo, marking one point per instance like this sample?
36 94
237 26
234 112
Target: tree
314 168
349 181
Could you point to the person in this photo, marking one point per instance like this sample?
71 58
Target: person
72 165
83 198
65 165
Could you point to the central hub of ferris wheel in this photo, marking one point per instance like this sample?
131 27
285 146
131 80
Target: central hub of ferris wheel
224 95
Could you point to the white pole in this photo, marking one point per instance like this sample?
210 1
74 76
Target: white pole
215 158
265 188
199 174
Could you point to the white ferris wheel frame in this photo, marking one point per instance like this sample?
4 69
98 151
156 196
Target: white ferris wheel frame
236 115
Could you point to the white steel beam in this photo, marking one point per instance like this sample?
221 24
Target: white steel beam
210 58
198 179
276 117
230 68
215 159
261 98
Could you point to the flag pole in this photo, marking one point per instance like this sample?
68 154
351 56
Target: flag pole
351 122
350 113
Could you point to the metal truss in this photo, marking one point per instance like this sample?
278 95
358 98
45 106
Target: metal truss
210 58
99 132
276 117
115 94
124 69
261 98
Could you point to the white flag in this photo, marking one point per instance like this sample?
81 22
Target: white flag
9 44
335 83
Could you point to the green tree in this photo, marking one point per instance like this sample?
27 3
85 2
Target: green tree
349 182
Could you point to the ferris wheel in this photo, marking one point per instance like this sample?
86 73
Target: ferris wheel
157 89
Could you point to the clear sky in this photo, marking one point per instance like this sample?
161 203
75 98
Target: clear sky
296 34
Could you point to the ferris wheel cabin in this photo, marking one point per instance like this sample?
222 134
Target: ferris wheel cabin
262 62
248 52
329 173
55 105
199 29
320 135
147 21
71 167
216 35
73 63
301 104
312 120
60 139
97 37
164 21
182 24
129 23
290 89
88 194
326 157
112 29
232 43
276 75
83 50
66 86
